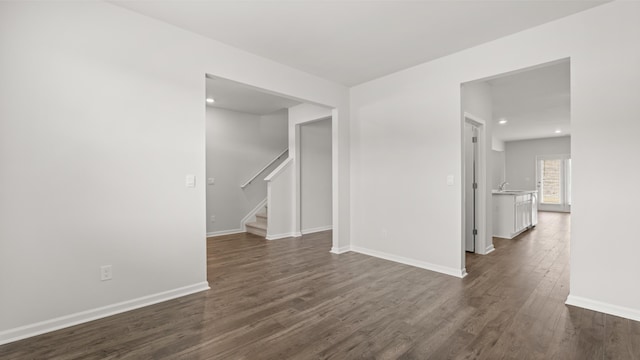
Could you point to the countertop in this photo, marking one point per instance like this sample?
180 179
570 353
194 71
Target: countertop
513 192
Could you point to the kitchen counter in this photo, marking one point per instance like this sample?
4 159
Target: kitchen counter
513 192
514 211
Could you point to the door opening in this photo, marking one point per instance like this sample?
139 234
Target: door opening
471 186
314 164
553 180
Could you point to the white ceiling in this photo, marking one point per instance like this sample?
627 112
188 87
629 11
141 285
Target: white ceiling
355 41
231 95
535 103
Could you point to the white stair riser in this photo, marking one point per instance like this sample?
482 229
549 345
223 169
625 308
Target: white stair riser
261 219
256 231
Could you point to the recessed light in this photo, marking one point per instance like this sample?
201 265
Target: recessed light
558 131
210 100
502 121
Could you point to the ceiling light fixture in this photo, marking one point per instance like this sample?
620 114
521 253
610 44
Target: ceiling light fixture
558 131
210 100
502 121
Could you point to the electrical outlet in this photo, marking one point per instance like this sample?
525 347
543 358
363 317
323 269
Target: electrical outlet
211 181
213 218
106 273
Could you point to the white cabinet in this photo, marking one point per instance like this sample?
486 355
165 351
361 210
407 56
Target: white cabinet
514 212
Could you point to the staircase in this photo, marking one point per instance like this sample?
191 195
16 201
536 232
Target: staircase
259 227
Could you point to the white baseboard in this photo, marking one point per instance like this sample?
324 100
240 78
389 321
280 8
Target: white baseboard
460 273
225 232
42 327
489 249
340 250
282 236
317 229
625 312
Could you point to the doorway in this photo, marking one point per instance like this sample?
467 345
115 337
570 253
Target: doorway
553 180
527 113
260 107
315 173
471 185
474 185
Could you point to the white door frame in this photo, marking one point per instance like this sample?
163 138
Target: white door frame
471 194
481 193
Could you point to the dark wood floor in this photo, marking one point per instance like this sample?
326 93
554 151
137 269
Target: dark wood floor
292 299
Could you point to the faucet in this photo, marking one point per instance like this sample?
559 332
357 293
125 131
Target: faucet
502 186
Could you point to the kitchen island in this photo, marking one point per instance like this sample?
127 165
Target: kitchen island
514 211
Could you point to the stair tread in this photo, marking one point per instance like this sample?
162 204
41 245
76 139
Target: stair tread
261 214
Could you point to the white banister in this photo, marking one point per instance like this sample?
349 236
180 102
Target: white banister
263 169
277 171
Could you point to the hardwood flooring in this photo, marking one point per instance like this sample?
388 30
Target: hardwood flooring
292 299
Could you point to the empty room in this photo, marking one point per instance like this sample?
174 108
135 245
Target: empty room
319 180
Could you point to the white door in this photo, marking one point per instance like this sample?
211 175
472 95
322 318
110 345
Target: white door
553 178
470 147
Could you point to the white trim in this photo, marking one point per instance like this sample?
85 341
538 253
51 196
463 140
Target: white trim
317 229
61 322
460 273
340 250
277 171
339 192
225 232
489 249
252 214
282 236
625 312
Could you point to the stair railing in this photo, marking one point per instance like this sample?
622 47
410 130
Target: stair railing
263 169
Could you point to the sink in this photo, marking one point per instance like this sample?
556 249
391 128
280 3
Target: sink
508 191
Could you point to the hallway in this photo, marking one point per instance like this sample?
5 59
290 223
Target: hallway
292 299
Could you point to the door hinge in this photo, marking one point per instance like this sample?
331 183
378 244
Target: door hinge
474 139
475 185
475 231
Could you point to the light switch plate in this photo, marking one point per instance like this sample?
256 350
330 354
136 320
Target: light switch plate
211 181
190 181
450 180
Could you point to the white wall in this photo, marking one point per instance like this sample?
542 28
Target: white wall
102 116
406 139
315 176
497 145
498 168
238 145
520 159
281 213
